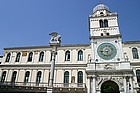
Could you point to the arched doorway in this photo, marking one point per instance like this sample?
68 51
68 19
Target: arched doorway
109 87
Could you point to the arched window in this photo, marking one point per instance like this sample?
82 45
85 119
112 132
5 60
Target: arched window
26 78
80 77
101 23
3 76
18 57
105 23
135 53
138 76
67 56
38 77
80 55
66 78
14 77
8 57
101 13
30 56
41 56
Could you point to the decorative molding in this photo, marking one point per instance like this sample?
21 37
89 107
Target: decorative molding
105 29
71 66
109 67
24 53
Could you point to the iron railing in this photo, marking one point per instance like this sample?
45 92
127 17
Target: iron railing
29 84
70 85
34 84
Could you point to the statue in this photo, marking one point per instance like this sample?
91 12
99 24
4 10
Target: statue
109 67
55 38
89 58
125 57
73 79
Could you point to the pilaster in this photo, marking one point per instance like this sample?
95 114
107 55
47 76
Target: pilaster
93 85
125 84
88 84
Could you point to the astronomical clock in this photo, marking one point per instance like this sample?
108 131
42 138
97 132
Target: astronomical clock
107 51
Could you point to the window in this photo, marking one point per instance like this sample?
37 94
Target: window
66 78
105 23
101 13
80 55
101 23
8 57
138 76
101 34
80 77
38 77
3 76
67 56
135 53
18 57
14 77
41 56
26 79
30 57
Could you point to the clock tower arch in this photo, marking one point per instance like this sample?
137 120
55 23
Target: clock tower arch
107 58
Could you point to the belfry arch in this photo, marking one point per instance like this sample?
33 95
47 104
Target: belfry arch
109 87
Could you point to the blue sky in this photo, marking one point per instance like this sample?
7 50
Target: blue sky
29 22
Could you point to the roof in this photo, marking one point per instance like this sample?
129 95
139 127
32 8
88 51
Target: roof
36 47
100 7
132 42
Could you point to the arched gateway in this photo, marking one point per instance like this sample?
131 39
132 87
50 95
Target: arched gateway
109 87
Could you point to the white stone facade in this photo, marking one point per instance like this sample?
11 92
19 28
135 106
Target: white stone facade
78 67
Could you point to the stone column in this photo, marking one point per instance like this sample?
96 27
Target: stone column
88 85
94 85
92 51
125 84
54 43
131 83
31 73
7 73
121 50
17 79
53 53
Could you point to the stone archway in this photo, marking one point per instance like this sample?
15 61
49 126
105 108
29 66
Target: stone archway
110 87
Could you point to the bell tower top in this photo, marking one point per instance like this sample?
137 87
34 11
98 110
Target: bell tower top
100 9
103 23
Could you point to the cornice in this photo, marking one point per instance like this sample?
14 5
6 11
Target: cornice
104 16
131 42
43 66
46 47
101 37
135 63
110 72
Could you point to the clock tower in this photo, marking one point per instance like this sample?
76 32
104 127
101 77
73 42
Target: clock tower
107 63
105 36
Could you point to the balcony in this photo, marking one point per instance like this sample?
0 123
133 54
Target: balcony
70 85
42 87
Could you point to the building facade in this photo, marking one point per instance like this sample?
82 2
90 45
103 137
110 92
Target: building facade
106 65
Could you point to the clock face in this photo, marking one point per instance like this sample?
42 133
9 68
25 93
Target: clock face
107 51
